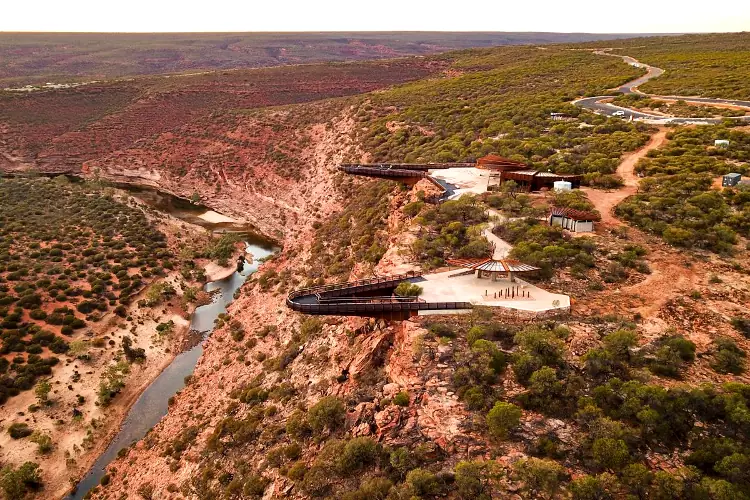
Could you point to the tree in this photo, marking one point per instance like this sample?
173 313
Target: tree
470 480
610 453
735 467
42 390
637 479
601 487
510 188
406 289
503 418
16 483
328 413
541 477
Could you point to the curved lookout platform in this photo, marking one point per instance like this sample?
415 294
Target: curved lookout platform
368 298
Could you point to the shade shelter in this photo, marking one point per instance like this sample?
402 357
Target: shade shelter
492 268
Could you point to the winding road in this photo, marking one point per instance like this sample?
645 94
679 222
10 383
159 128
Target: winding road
597 105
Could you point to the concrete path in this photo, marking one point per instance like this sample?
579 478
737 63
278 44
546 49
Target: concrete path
464 180
502 247
444 287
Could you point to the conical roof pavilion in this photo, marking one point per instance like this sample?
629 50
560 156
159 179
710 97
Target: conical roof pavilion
494 265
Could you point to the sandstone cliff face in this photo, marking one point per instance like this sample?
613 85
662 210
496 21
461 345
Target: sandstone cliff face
360 361
251 188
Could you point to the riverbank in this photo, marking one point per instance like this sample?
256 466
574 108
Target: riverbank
152 404
79 422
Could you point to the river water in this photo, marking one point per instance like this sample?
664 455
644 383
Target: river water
152 404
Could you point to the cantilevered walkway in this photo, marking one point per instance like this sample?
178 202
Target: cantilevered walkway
408 173
368 298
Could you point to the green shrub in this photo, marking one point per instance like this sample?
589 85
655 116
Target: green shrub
401 399
728 358
376 488
422 483
601 487
326 414
17 483
742 325
297 471
357 453
402 461
43 442
19 430
503 418
297 426
406 289
412 209
540 477
470 480
610 453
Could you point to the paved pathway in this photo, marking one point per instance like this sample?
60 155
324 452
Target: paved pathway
502 247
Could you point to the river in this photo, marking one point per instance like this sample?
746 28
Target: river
152 404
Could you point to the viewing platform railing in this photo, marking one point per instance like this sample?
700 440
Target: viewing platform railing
327 299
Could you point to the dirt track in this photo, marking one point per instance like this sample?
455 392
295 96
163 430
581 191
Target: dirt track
605 201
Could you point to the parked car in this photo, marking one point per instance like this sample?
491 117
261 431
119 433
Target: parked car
619 113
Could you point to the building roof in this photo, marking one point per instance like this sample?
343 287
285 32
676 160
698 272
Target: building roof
492 265
574 214
537 173
548 174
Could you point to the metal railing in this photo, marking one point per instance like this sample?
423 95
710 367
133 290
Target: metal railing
367 308
412 166
386 299
327 303
351 284
383 171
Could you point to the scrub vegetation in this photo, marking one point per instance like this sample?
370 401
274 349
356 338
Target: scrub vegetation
678 108
68 256
678 199
500 102
713 65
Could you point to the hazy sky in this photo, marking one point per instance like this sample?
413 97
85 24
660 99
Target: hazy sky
602 16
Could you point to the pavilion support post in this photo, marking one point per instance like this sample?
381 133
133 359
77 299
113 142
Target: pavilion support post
512 277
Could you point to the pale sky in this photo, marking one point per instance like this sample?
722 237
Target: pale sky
597 16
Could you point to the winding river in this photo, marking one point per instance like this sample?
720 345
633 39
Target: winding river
152 404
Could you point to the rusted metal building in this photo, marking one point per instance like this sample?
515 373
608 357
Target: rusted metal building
578 221
534 180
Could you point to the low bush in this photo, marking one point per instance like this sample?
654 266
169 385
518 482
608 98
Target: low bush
19 430
502 419
326 415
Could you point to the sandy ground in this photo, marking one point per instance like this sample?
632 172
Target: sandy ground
468 180
441 287
73 455
217 218
69 435
605 201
